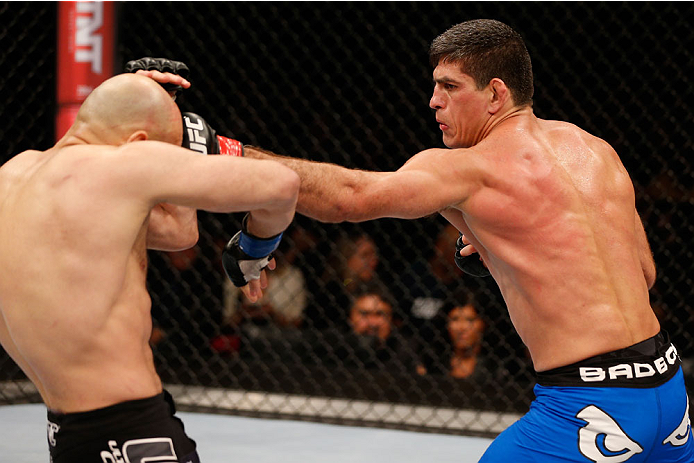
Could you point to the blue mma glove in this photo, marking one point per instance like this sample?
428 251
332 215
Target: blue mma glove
245 255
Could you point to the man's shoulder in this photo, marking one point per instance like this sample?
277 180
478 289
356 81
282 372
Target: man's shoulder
21 160
562 129
102 160
82 164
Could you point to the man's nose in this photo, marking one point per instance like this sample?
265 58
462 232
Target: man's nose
436 102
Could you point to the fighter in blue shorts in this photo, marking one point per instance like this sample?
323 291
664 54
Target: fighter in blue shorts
627 405
550 211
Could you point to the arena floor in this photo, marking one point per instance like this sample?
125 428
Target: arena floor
224 439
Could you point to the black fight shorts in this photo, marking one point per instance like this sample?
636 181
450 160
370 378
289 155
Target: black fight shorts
136 431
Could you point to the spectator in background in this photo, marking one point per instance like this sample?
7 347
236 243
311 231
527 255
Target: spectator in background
430 285
372 315
351 267
454 348
465 331
371 340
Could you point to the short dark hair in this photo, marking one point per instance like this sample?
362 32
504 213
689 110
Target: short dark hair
373 288
485 49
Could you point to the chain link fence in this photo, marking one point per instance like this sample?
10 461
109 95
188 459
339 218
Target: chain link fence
362 323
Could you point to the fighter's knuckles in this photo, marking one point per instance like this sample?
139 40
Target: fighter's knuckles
163 66
466 259
158 64
468 250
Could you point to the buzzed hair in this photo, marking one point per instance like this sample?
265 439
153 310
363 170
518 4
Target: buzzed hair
485 49
128 102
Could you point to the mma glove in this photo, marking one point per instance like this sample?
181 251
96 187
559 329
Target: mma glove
199 136
245 256
161 65
197 133
472 264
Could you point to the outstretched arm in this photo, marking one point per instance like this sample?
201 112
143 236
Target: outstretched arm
430 181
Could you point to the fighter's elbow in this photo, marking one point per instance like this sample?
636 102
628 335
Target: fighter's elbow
287 189
190 238
184 237
336 207
354 207
174 240
341 211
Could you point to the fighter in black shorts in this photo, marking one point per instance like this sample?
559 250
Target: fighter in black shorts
142 430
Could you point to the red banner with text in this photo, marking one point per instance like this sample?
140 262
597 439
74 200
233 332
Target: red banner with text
86 44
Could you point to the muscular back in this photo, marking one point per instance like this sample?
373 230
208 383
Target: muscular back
75 311
554 218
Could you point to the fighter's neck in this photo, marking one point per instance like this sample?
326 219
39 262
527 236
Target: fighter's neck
70 140
514 115
81 134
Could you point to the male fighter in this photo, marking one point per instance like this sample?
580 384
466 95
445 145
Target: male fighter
75 224
551 211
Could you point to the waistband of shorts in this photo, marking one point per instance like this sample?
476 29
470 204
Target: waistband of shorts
119 409
648 363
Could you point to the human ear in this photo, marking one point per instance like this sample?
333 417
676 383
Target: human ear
499 95
139 135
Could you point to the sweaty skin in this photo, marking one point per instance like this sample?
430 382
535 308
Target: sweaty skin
75 224
549 207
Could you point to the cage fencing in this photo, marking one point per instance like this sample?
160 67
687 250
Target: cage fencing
363 322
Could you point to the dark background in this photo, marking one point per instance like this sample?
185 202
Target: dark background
350 83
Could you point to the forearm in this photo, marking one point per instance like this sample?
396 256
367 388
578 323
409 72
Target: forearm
327 191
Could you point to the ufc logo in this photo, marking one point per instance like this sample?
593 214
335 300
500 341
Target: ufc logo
194 129
88 43
159 449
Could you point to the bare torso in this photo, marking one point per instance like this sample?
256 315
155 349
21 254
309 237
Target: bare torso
74 305
555 222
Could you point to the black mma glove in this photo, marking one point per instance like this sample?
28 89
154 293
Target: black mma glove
245 256
199 136
197 133
161 65
472 264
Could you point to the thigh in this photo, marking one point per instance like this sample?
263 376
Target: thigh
606 425
675 442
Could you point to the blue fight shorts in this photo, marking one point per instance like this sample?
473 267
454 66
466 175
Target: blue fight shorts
629 405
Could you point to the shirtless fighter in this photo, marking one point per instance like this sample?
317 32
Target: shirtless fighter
551 211
75 225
